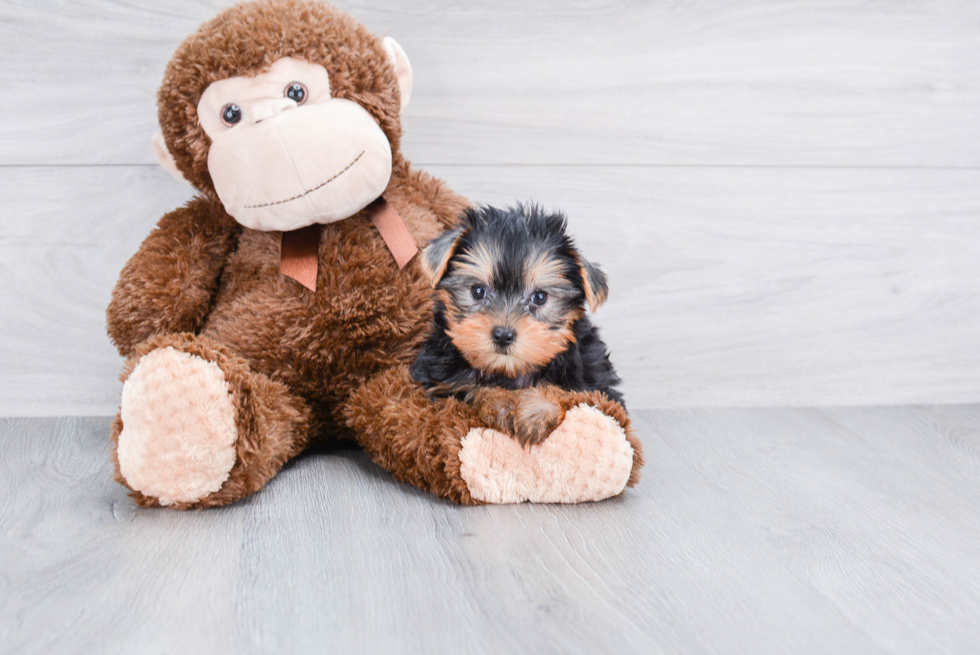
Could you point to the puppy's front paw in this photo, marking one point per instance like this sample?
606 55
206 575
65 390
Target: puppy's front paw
528 415
535 417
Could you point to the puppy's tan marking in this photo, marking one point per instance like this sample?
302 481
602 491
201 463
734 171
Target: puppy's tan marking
595 295
544 271
537 343
435 257
479 262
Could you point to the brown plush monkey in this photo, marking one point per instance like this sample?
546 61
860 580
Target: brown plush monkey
273 309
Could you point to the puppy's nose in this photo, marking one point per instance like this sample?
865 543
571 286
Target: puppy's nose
503 336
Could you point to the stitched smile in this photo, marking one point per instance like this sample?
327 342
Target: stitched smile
306 193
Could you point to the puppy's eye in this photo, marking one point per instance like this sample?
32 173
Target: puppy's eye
539 298
296 91
478 291
231 114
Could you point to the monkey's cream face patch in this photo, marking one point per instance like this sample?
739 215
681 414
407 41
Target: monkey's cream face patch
282 160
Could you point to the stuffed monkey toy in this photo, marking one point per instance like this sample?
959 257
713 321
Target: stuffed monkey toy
283 304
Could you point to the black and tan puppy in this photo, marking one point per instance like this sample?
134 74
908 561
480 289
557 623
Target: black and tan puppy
510 314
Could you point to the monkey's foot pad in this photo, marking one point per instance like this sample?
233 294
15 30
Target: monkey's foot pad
178 437
586 458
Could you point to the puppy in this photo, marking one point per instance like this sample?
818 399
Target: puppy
511 290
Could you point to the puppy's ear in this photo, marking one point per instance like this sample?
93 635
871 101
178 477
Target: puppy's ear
435 257
594 280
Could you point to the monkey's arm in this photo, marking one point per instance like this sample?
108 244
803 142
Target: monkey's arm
168 285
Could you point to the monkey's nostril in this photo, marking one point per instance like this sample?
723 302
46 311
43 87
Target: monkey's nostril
503 336
269 109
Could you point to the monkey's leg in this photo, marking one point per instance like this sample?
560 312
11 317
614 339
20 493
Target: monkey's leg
568 447
198 428
444 447
410 435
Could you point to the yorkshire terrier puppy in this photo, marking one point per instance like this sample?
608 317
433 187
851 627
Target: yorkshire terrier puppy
511 290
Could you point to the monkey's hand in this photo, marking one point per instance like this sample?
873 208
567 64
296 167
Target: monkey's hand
529 415
168 285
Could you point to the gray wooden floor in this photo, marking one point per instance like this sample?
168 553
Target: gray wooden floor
786 197
755 531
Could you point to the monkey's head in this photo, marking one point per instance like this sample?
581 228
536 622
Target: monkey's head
287 111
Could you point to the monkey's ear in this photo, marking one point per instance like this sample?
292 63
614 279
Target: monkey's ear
403 69
435 257
596 286
165 158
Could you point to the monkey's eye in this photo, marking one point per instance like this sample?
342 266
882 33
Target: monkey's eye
231 114
478 291
296 91
539 298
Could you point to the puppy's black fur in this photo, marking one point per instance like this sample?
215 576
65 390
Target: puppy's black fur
490 274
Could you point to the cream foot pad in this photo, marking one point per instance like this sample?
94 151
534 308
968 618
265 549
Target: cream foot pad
178 438
586 458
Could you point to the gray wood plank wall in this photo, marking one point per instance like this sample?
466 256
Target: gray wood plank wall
786 196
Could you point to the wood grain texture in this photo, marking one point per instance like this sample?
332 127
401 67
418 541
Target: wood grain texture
755 530
760 82
729 287
813 261
753 176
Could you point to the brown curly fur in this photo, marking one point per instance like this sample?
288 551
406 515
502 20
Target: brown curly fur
273 424
246 40
302 365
